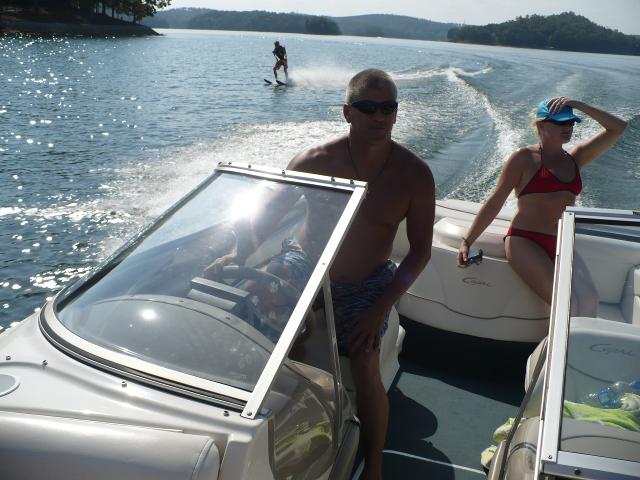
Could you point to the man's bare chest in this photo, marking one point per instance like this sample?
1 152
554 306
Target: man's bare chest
381 207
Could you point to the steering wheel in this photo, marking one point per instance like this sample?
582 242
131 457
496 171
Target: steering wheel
291 292
233 272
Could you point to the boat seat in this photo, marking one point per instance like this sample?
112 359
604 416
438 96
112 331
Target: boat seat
465 212
609 261
599 440
449 231
600 353
628 310
611 311
465 209
576 436
630 305
34 447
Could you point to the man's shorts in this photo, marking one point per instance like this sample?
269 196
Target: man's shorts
281 63
349 299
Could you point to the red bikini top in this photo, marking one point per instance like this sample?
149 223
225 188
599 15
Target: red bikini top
543 181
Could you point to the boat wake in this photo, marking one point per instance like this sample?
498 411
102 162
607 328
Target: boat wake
421 73
321 76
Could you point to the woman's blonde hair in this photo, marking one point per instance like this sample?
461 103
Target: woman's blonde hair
535 121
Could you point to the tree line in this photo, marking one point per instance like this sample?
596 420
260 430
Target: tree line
376 25
136 9
261 21
566 31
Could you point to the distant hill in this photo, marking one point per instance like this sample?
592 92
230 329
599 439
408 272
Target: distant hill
256 21
566 31
174 18
260 21
396 26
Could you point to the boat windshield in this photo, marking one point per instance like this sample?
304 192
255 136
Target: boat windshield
601 397
207 289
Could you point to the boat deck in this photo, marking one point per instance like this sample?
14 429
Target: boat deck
451 393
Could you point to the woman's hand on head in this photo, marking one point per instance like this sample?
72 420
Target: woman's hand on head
558 103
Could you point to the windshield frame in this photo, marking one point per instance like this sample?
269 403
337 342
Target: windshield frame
140 370
550 458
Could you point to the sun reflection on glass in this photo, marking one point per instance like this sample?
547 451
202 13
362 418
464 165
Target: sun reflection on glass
148 314
247 203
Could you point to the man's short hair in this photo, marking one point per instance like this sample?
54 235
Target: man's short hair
370 78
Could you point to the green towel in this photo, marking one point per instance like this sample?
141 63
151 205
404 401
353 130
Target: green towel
487 455
502 432
625 418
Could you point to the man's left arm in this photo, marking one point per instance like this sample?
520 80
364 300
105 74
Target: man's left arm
419 220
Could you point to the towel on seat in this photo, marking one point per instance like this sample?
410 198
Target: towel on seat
627 417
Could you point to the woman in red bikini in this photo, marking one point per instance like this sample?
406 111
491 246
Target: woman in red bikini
546 179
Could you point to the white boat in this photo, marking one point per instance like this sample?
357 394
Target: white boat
145 368
580 417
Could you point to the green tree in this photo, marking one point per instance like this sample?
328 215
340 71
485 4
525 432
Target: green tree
321 26
566 31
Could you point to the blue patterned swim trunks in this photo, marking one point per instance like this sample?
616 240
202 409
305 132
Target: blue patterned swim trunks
349 299
296 262
296 268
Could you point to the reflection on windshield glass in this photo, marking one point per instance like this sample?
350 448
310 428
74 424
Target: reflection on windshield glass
601 411
209 290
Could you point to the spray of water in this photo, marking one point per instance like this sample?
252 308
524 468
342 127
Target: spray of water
321 76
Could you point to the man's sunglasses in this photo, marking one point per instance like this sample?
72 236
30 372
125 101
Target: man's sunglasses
369 107
566 123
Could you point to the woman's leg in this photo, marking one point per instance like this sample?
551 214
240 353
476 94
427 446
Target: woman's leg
532 264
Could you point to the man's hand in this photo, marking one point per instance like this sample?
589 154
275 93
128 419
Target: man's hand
214 270
366 334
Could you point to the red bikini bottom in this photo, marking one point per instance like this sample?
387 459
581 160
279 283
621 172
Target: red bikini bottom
546 241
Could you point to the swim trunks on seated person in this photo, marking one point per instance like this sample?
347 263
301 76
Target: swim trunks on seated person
349 299
296 262
294 266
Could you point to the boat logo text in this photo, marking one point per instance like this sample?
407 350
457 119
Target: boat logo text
475 281
607 349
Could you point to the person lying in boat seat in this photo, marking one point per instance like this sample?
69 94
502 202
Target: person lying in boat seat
274 294
275 300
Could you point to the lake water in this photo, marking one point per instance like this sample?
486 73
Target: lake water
98 136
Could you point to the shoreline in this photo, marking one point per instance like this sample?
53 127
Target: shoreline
67 22
80 29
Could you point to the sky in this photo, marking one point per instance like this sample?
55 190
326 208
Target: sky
622 15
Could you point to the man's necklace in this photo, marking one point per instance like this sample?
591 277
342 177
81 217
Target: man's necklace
382 168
